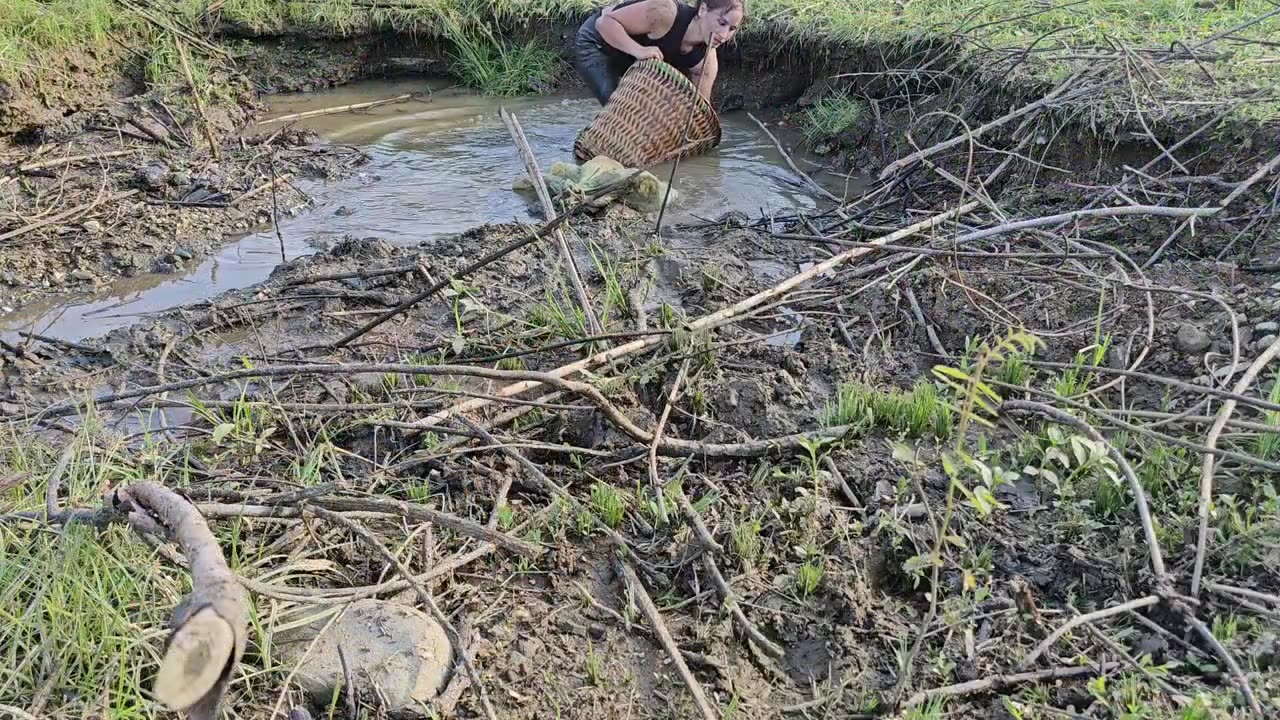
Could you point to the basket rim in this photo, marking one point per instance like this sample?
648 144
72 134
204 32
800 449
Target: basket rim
681 80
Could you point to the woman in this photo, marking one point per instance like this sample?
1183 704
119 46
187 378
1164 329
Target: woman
686 37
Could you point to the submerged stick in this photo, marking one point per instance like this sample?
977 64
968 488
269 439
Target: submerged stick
335 110
549 212
209 626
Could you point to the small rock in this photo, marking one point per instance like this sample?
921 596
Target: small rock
344 211
299 713
1264 342
8 278
84 275
183 253
1267 328
93 227
1191 339
180 179
57 277
152 176
7 408
394 647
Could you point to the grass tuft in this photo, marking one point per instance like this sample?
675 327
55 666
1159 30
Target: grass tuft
918 412
832 117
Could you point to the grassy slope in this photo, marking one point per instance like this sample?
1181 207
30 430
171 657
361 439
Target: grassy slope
32 31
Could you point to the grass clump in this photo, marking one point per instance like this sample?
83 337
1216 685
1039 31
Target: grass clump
31 31
832 117
918 412
496 66
70 613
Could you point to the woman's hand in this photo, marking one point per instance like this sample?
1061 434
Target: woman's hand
647 52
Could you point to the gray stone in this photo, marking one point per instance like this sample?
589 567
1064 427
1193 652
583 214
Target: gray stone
1267 328
84 275
1192 339
152 175
93 227
183 253
395 647
1264 342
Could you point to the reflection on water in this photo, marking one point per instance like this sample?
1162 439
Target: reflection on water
440 164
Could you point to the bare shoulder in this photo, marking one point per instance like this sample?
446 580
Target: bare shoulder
648 16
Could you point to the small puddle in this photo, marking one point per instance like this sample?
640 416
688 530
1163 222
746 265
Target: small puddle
440 164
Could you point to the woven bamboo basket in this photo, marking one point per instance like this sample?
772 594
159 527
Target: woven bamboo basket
643 123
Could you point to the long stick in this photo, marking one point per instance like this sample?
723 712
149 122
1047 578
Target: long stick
498 254
1079 620
1207 465
668 643
195 94
792 164
58 162
336 110
549 212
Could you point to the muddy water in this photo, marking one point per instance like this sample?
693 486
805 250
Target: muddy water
440 163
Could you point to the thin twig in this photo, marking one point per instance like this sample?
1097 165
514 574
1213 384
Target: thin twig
668 643
1207 464
1079 620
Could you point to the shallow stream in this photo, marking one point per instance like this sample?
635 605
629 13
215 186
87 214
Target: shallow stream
440 164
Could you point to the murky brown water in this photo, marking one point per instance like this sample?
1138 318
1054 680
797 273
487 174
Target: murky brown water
440 165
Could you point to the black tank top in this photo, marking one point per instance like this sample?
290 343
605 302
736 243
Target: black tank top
669 44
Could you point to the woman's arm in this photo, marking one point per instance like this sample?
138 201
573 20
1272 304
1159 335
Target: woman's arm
647 17
704 73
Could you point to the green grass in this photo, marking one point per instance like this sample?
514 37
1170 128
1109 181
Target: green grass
32 32
918 412
832 117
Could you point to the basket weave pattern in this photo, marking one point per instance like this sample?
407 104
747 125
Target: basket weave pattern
643 123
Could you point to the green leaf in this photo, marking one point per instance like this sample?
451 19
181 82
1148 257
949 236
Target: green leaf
222 431
943 370
957 541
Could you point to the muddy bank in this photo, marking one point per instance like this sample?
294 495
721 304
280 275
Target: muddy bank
821 542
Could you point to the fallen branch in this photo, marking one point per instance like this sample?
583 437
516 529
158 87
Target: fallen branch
730 600
549 213
1000 682
71 160
1135 485
713 320
654 480
270 184
210 626
492 257
792 164
1079 620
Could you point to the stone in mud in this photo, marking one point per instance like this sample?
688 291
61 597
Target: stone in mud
1264 342
1267 328
1191 339
83 275
394 647
152 176
93 227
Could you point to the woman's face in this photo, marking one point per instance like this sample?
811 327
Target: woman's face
721 25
